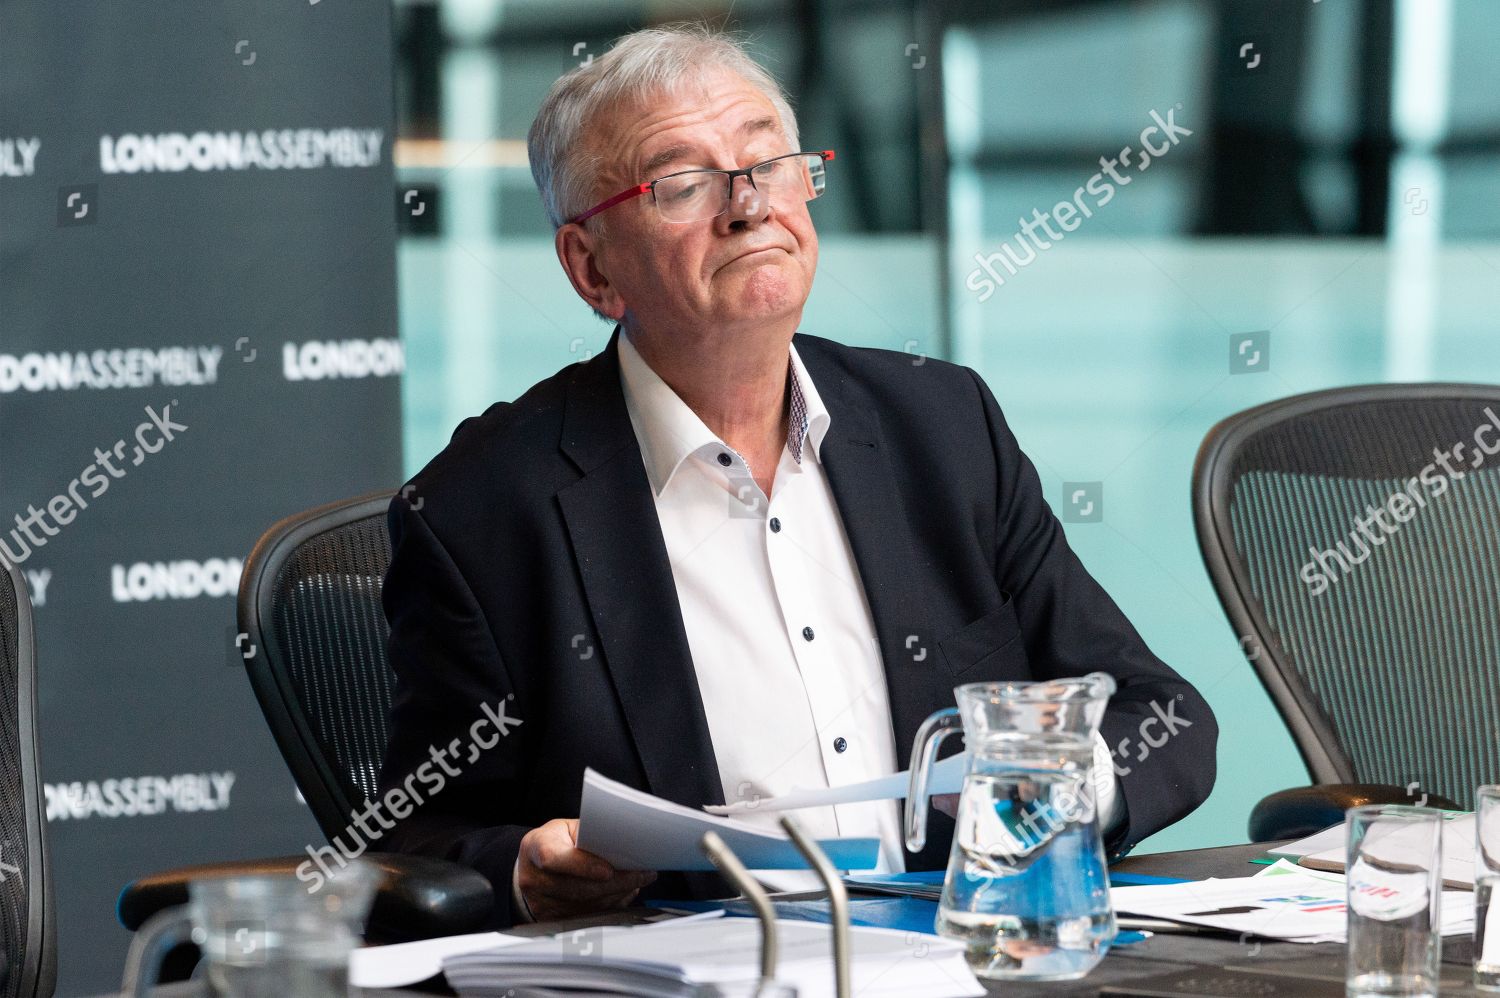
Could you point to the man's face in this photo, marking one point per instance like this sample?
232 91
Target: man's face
746 267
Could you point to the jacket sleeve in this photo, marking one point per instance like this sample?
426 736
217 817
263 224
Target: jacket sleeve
456 728
1159 729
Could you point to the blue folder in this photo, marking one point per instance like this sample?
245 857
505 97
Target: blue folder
908 914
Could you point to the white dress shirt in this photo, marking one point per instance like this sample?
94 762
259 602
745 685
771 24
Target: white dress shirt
781 635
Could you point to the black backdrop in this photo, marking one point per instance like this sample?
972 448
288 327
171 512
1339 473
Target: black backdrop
196 212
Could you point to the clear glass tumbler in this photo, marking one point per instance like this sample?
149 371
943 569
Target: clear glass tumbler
262 936
1486 897
1394 890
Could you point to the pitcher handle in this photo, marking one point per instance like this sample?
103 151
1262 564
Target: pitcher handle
923 751
160 933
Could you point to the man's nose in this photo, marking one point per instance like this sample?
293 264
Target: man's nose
747 203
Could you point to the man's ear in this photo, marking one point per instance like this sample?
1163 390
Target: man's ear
578 250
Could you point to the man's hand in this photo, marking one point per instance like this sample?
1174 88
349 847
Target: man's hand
560 880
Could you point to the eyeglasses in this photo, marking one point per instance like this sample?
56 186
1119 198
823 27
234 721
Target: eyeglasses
694 195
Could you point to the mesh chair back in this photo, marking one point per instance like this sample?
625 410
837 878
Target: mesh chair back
310 607
1364 578
28 937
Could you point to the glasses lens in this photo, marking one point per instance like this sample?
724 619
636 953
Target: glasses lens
700 194
689 197
800 177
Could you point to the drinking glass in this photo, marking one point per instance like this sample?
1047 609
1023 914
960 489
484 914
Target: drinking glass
1394 887
262 935
1486 897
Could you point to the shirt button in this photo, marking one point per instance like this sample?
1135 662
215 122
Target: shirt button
839 744
725 460
807 632
775 525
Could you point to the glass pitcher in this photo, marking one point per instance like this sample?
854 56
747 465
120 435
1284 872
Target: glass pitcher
1027 890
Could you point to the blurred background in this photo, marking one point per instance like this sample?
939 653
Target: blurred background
1333 218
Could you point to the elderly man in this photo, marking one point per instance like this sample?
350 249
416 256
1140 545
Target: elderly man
725 559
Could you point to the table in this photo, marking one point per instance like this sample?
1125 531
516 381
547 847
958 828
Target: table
1294 966
1296 963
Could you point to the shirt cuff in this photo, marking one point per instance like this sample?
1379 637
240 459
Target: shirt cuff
518 900
1107 796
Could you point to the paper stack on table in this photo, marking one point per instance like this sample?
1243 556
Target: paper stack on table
401 965
677 956
1326 850
924 884
1284 901
636 831
688 956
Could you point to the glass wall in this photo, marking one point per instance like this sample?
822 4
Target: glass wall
1239 200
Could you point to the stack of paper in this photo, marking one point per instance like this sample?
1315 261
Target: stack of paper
1326 850
689 957
400 965
924 884
1282 902
636 831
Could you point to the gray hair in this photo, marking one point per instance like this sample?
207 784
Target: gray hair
642 64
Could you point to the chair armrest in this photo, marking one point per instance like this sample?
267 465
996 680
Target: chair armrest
1300 811
420 897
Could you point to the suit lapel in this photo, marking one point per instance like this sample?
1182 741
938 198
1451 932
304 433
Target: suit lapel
627 581
865 487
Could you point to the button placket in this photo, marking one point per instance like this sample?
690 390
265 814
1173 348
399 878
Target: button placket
824 681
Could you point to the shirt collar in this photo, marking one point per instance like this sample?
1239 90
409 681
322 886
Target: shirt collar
669 432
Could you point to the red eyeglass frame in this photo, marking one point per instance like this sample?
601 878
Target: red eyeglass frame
639 189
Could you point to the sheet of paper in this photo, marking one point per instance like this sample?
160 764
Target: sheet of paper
1284 902
1284 867
1457 909
1458 850
1325 850
402 964
1331 837
947 778
636 831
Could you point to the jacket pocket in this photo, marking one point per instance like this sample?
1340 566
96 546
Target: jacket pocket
987 648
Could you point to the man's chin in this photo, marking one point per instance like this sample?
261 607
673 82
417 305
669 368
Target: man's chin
759 311
765 293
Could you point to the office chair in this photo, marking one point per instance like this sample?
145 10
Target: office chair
1380 648
312 633
28 933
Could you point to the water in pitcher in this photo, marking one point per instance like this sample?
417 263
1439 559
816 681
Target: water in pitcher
1032 900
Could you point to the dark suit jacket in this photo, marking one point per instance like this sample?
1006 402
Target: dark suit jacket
528 563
